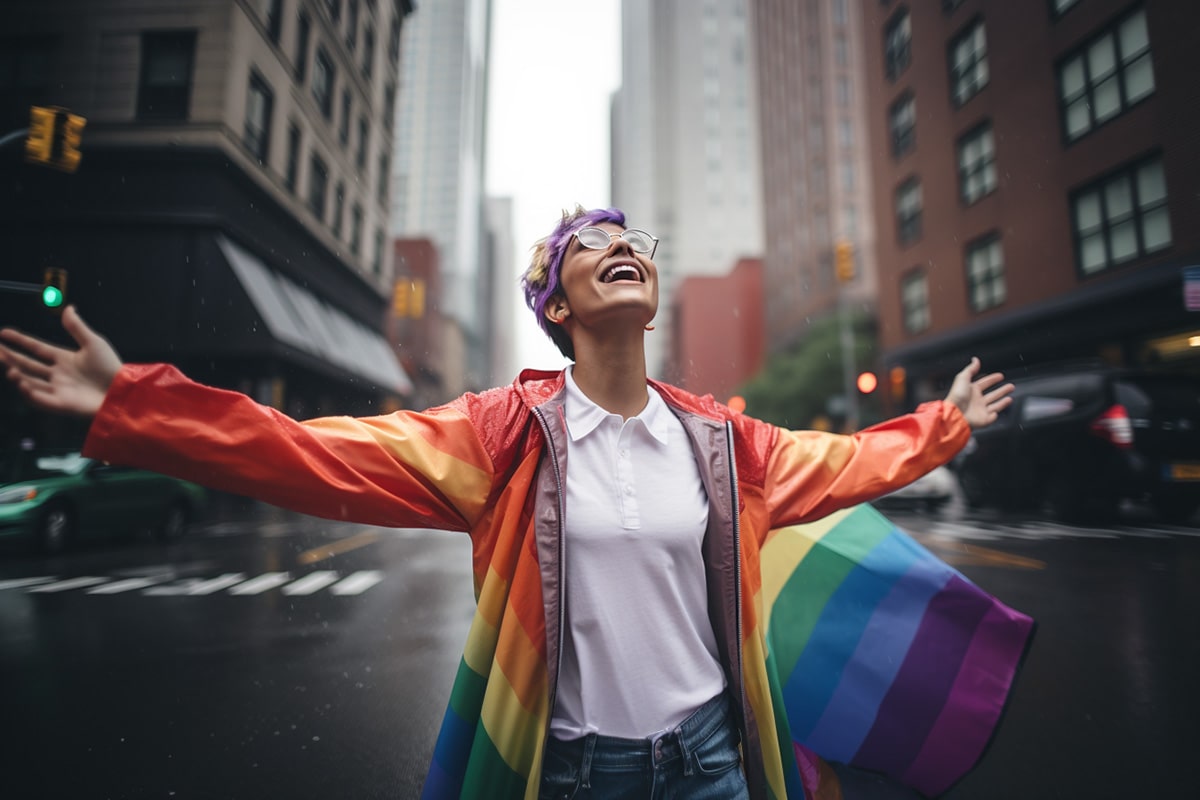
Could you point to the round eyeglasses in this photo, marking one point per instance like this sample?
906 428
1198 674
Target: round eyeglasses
600 239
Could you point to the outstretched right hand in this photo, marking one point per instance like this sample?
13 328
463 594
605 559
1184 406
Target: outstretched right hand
55 378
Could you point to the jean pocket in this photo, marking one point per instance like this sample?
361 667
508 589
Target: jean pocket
718 753
560 778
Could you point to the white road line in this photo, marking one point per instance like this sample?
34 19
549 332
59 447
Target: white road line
268 580
17 583
71 583
195 586
313 582
127 585
358 582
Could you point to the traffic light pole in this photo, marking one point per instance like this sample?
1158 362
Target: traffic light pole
14 136
847 342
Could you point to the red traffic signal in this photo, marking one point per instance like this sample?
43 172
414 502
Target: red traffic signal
867 382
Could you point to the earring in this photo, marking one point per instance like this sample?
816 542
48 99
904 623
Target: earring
649 327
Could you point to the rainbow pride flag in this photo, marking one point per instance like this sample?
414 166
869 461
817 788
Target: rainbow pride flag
882 655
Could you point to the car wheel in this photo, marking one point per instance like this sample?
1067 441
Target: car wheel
55 529
174 523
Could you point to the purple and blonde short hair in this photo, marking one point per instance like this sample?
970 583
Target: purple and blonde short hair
541 280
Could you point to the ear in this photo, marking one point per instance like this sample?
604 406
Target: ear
557 309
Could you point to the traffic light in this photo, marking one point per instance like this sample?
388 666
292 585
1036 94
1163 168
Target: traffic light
867 382
54 138
408 298
897 376
54 288
843 261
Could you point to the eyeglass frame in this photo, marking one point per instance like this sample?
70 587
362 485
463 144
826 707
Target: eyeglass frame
621 235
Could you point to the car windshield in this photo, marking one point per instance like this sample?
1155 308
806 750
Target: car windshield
25 465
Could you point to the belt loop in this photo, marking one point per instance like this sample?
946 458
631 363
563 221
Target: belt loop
684 751
585 768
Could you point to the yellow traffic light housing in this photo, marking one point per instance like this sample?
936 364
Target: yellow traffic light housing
54 288
54 138
843 261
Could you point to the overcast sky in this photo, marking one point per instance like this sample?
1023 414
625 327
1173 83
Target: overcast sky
555 65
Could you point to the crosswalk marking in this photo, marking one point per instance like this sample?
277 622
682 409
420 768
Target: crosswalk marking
313 582
17 583
196 586
127 585
71 583
268 580
358 582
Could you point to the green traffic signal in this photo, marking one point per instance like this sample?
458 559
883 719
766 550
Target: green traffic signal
52 297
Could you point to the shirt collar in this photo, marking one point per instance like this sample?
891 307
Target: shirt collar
584 416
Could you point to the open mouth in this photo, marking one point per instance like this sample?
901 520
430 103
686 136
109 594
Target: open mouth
621 272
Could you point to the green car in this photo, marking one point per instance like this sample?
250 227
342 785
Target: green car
52 500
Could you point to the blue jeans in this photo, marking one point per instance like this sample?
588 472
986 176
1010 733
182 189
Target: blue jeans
699 760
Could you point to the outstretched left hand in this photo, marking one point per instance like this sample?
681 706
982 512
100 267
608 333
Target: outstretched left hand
979 399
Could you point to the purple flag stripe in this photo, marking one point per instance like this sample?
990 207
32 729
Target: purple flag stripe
917 695
966 723
881 651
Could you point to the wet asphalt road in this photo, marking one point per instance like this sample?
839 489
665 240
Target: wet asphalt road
201 670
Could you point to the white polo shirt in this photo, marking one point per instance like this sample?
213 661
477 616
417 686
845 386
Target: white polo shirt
639 654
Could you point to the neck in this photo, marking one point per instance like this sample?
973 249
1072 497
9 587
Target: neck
613 376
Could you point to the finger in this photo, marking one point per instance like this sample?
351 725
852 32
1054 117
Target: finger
989 380
999 405
31 344
998 392
78 329
971 369
26 365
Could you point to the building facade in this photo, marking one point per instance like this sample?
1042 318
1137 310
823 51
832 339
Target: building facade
438 172
816 161
230 211
685 159
1035 171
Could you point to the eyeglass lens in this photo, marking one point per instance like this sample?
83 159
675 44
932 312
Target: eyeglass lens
599 239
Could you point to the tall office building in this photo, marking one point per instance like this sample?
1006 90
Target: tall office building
230 210
685 162
1035 180
438 172
816 161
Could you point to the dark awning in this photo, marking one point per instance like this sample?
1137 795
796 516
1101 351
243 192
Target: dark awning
297 317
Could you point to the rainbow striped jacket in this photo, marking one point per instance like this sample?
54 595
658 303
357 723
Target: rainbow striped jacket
841 638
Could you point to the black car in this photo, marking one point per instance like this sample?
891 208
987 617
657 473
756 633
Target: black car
1077 442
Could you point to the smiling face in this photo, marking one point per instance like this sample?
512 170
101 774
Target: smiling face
613 286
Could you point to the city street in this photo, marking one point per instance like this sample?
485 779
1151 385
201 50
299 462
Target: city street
281 656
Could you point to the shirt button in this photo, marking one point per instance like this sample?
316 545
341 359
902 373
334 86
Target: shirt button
628 490
624 454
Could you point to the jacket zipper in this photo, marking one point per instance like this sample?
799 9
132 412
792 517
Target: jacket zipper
737 573
562 589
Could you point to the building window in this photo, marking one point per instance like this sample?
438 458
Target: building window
385 170
914 301
1106 76
389 106
273 18
843 91
908 211
985 273
377 262
897 43
165 87
368 54
351 24
394 40
318 182
259 102
339 207
322 84
344 122
293 158
303 33
902 119
968 63
1121 217
976 164
356 218
1060 7
360 157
